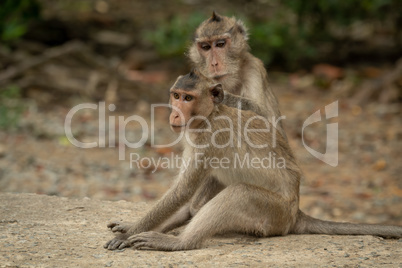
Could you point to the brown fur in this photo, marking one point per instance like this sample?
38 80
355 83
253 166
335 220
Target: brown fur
233 66
263 202
259 201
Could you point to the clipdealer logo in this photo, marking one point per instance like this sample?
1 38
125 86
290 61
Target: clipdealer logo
330 156
106 129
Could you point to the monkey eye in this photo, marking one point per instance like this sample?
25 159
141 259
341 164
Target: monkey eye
176 96
188 98
205 46
221 43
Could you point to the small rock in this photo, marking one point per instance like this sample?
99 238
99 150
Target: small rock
380 165
356 110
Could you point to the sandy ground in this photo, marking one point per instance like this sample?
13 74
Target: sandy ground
48 231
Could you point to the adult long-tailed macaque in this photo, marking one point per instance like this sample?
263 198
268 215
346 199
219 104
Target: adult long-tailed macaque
257 179
220 52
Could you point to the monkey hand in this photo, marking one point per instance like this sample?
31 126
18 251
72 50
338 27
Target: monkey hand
119 242
119 227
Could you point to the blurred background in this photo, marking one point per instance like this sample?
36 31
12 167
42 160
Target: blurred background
56 54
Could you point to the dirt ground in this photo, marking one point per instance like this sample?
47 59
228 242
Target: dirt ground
45 231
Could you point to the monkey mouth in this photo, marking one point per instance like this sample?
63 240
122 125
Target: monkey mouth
219 76
177 127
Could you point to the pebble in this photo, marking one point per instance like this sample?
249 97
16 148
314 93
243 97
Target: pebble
380 165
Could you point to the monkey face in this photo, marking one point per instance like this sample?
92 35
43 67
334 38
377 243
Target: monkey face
183 107
192 100
189 109
214 52
219 45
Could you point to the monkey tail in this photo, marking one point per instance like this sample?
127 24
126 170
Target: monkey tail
309 225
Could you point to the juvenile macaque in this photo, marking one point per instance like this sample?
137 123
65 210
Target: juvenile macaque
249 194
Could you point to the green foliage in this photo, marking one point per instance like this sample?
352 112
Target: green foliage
273 40
173 37
292 33
304 30
15 16
342 12
11 107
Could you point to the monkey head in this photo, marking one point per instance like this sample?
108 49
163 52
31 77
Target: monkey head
193 98
218 45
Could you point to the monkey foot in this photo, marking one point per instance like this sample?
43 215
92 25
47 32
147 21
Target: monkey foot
156 240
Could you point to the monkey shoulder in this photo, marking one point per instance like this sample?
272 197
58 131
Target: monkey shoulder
254 65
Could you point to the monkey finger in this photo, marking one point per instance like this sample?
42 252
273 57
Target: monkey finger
114 244
107 244
125 244
119 228
113 224
110 243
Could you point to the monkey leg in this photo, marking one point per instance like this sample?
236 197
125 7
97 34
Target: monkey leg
176 220
238 208
209 188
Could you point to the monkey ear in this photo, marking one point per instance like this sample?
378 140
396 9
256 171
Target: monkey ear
217 94
242 29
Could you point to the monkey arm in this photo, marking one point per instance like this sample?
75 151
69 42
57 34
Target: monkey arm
236 101
177 196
